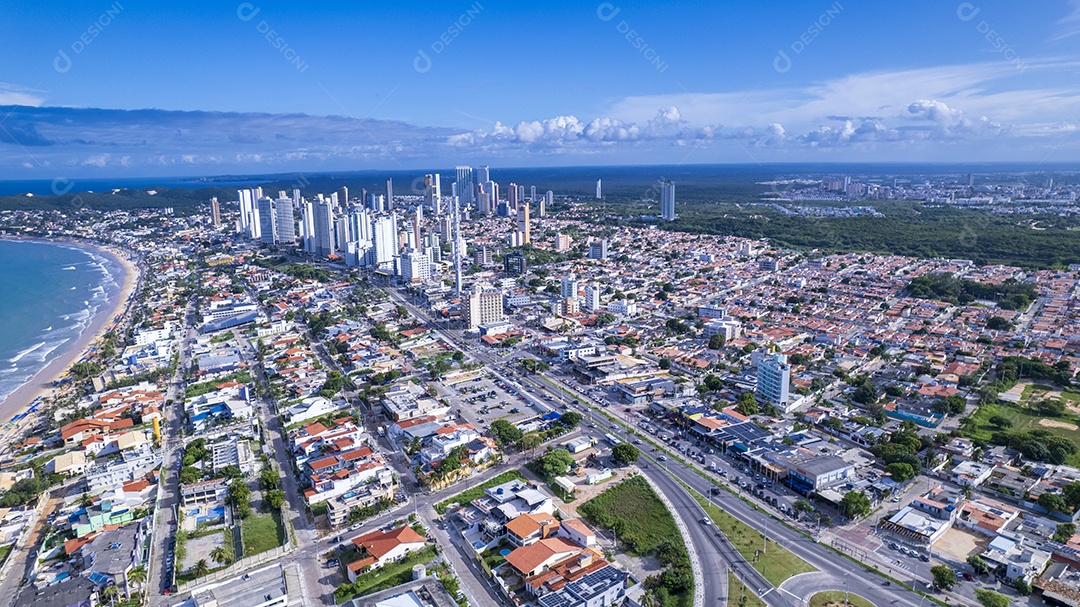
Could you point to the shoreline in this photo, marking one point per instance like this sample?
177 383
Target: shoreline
41 384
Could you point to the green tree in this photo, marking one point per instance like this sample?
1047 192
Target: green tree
458 356
1071 492
977 563
944 577
665 363
530 441
1053 501
555 462
717 341
219 555
137 575
1000 422
189 475
110 592
570 419
201 568
866 394
625 453
900 471
855 504
504 432
275 498
989 598
1022 586
1063 532
747 404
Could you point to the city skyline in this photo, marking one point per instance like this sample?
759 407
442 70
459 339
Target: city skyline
625 84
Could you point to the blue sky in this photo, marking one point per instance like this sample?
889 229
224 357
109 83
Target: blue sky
347 85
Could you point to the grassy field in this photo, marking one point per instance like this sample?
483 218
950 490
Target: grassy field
736 590
777 564
261 532
470 494
640 519
393 574
1026 420
835 598
644 527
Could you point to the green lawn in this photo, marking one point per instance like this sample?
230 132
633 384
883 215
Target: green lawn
470 494
835 598
4 551
736 590
777 564
1024 420
261 532
393 574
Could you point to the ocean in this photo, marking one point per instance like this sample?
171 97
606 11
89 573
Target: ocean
50 294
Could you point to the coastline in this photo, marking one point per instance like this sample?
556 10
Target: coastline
41 383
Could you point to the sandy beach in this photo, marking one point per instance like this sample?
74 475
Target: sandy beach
41 384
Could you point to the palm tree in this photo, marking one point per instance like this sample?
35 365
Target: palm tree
137 575
219 555
201 568
109 593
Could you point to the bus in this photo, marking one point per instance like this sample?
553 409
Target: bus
610 438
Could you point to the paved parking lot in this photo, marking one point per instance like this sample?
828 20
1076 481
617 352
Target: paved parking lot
485 399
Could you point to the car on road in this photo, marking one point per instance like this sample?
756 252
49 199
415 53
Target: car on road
662 458
968 577
359 525
706 521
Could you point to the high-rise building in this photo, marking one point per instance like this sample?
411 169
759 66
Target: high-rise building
249 213
532 193
324 228
415 267
482 305
599 192
268 220
389 194
598 249
592 298
483 174
432 193
458 245
523 224
215 212
773 376
483 198
667 200
465 186
568 286
307 226
376 202
482 256
512 199
286 225
569 306
343 197
514 263
562 242
384 241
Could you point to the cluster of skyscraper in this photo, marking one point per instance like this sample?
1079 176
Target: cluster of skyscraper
365 231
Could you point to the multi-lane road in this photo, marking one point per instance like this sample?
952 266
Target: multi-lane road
715 554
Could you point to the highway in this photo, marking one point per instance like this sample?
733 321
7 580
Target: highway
715 553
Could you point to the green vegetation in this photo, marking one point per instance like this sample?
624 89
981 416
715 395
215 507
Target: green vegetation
645 527
262 532
776 564
738 595
625 453
835 598
240 377
1022 428
301 271
388 576
855 504
470 494
555 462
907 228
1009 295
989 598
944 577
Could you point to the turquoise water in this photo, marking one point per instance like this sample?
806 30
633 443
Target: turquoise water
49 293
